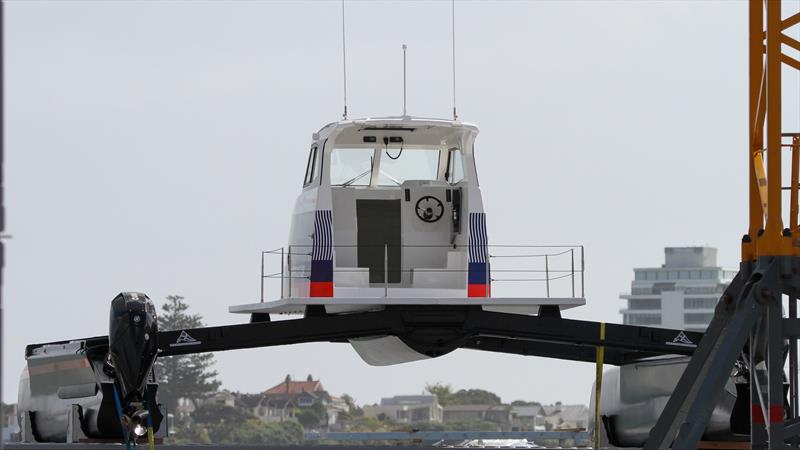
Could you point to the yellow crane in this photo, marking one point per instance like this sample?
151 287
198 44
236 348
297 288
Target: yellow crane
749 322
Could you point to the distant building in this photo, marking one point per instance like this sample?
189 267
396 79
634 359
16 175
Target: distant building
565 417
407 409
186 406
499 414
8 423
528 418
280 402
681 294
333 409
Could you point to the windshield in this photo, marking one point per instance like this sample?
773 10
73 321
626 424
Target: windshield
399 165
351 166
354 166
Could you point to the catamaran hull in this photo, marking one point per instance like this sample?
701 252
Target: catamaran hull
633 397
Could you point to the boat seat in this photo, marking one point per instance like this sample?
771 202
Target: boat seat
454 276
351 276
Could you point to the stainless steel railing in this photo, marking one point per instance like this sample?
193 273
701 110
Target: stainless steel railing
548 267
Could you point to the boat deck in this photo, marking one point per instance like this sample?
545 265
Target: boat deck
335 305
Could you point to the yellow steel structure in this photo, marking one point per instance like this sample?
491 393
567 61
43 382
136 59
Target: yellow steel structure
766 234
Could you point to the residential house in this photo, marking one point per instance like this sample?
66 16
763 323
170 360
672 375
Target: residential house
333 409
281 401
407 409
528 418
499 414
566 417
187 406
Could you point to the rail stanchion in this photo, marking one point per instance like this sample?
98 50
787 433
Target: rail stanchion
597 385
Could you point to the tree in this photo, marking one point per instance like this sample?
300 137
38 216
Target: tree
353 410
183 376
443 392
309 418
446 395
524 403
254 431
213 413
474 397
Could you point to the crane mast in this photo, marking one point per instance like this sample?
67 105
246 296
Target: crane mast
749 322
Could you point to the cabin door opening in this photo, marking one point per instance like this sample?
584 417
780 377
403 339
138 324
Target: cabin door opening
378 224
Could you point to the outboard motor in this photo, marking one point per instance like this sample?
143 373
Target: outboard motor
132 350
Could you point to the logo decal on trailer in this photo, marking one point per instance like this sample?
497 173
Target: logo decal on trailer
184 339
682 340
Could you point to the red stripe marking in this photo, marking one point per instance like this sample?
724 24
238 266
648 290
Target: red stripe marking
479 290
321 289
775 413
755 413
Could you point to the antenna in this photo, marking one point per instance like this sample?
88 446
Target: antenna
453 18
404 79
344 66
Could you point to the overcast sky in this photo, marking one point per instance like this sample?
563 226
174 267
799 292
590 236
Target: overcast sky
159 147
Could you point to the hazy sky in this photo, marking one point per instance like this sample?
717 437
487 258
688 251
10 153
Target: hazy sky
159 147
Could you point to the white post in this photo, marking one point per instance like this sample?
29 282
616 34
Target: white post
386 270
289 270
547 274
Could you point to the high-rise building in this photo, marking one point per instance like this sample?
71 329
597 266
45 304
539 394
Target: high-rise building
680 294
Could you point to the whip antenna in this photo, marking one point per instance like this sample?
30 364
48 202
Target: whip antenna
404 79
453 21
344 65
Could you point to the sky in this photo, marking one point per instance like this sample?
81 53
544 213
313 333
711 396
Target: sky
159 147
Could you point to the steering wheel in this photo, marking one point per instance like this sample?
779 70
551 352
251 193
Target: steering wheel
429 209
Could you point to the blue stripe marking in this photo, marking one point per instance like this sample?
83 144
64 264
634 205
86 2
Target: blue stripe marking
321 270
477 273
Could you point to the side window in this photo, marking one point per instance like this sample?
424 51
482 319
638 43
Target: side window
311 167
455 166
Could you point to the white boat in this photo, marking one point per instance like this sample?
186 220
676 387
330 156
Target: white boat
391 213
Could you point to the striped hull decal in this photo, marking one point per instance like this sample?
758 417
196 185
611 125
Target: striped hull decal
479 275
322 255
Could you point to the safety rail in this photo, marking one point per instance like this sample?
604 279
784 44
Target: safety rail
558 270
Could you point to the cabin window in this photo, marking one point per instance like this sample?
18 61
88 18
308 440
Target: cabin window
455 166
351 166
311 167
399 165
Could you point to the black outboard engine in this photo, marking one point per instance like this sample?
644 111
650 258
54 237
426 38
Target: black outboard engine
132 350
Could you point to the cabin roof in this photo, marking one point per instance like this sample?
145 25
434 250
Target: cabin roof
398 123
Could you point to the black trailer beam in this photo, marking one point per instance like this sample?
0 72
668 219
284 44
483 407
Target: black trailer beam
436 330
569 352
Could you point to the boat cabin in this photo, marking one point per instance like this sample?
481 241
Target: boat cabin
391 213
389 204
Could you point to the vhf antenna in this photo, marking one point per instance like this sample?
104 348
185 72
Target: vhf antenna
344 66
453 19
404 79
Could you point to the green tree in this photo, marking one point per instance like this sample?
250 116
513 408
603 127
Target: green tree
353 410
254 431
309 418
474 397
524 403
443 392
213 413
183 376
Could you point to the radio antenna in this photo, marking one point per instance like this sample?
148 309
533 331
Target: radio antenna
344 66
404 79
453 19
